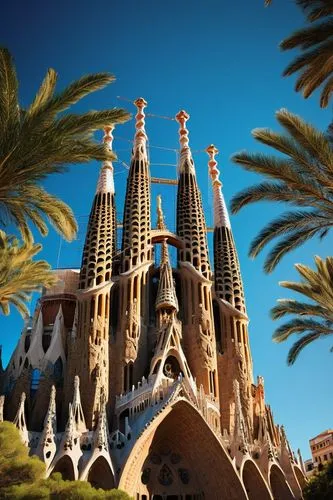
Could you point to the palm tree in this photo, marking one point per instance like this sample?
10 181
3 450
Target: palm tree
315 63
314 319
19 274
37 142
302 178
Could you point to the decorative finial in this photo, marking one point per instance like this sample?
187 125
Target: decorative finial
182 118
221 216
214 172
186 162
160 215
108 137
140 134
105 181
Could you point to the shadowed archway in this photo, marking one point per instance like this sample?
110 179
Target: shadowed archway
66 468
300 477
100 474
255 485
279 485
179 455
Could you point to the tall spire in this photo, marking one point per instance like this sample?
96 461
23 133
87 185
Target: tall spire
198 332
191 225
89 352
166 293
137 202
228 280
102 226
136 258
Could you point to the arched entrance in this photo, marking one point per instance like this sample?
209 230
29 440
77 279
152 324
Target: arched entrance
178 456
279 485
254 483
100 474
66 468
300 477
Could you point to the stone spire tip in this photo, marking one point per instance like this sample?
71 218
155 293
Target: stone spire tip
105 181
186 162
182 118
221 216
140 134
214 172
160 214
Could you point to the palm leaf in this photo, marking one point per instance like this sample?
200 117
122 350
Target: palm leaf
288 222
38 142
299 326
286 245
289 306
315 42
45 92
299 345
303 177
9 110
19 274
316 285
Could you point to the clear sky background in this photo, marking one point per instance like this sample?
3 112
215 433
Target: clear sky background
219 60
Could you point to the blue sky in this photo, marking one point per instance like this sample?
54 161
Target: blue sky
219 60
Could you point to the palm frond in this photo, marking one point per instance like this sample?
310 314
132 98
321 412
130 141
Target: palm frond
309 36
44 93
37 142
326 93
289 306
299 326
286 245
312 140
71 95
299 346
19 274
9 110
316 9
312 319
265 191
303 178
315 42
288 223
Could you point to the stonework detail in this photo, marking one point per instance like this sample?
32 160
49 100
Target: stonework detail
135 371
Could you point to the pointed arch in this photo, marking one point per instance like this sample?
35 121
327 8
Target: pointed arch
300 477
255 485
66 468
180 431
100 474
280 488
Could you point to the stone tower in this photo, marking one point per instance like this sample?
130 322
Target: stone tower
135 371
136 259
232 322
89 346
198 324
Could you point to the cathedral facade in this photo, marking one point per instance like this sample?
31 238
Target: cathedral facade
138 375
